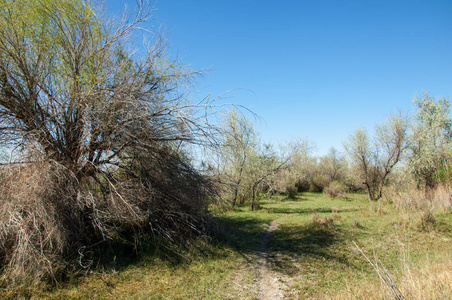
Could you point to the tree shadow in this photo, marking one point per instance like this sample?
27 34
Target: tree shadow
290 245
319 242
316 243
242 235
285 210
297 198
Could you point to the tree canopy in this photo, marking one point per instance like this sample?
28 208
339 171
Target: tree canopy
98 129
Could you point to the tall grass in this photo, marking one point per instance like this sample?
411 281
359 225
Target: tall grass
437 198
427 280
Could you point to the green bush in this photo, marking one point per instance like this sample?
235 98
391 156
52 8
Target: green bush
302 185
291 191
318 183
443 175
335 189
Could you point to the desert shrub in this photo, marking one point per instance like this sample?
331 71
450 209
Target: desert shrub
303 185
319 225
318 183
335 189
428 221
96 131
291 191
49 218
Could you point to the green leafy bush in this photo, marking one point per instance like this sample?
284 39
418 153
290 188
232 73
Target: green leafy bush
335 189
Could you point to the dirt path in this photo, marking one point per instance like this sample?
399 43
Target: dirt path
270 284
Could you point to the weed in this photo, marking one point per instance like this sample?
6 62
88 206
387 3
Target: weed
385 278
322 225
439 197
428 221
357 224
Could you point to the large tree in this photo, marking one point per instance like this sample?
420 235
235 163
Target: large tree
98 127
70 87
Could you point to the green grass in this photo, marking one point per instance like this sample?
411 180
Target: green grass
314 245
321 256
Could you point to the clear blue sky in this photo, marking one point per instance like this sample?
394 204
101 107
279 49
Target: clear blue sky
313 69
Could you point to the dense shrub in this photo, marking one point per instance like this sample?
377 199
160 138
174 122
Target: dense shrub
48 218
354 185
97 132
335 189
303 185
317 183
291 191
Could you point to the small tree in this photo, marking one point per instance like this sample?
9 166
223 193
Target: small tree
375 160
302 165
333 165
264 165
244 164
234 154
430 139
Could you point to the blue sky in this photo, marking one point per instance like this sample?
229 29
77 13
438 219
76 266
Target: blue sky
313 69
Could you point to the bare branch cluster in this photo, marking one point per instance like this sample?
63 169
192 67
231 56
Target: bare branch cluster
99 129
375 160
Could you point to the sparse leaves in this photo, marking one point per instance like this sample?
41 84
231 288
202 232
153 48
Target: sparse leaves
430 139
91 115
375 161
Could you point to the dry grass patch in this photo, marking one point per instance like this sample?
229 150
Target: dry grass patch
415 199
429 280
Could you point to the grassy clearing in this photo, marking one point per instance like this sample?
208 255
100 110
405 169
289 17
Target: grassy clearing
314 245
207 276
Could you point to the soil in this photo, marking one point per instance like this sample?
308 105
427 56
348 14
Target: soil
271 284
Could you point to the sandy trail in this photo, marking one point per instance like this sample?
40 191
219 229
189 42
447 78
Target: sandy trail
270 284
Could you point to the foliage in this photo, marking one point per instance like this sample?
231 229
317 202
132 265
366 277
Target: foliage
96 134
335 189
309 173
300 169
245 167
430 140
375 160
317 183
235 154
333 165
265 164
291 191
443 175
